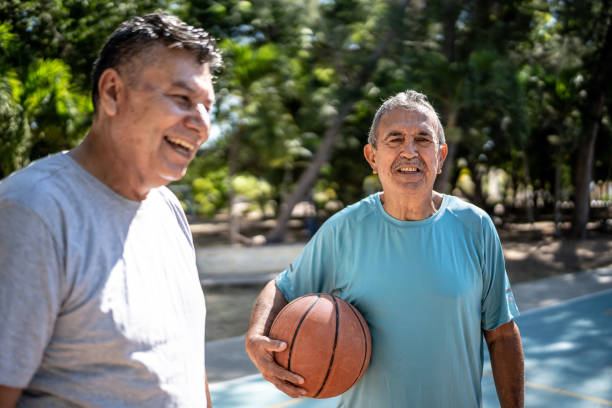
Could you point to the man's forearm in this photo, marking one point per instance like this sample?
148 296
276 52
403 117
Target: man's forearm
9 396
208 400
269 302
507 362
261 348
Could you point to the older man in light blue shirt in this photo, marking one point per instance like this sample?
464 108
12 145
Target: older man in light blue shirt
426 270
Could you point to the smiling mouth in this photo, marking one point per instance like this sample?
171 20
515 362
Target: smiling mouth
408 170
179 144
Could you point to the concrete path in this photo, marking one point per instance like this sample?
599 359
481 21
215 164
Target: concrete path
227 265
226 359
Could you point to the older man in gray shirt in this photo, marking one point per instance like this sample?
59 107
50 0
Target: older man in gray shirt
99 294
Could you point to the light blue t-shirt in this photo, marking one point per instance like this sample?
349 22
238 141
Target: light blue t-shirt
427 290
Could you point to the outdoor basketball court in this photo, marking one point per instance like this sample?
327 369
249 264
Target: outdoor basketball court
568 362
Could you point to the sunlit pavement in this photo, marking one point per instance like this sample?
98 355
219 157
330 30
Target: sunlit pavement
254 391
568 362
568 354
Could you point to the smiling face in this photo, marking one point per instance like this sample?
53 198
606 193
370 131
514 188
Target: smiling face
407 156
158 116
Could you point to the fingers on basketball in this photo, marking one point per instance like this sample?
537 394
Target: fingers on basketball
328 343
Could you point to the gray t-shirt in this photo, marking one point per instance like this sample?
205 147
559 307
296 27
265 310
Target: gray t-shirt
100 300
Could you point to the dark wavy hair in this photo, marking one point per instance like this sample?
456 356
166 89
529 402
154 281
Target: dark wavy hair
138 34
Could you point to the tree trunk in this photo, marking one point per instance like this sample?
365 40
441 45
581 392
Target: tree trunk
232 164
450 14
584 165
443 183
558 197
309 176
478 199
593 113
529 202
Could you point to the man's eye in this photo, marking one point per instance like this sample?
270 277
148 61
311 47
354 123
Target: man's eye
183 100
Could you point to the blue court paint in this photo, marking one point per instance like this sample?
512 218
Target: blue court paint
568 363
255 392
568 354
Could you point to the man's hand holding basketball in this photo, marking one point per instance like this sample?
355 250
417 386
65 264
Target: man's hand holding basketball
261 351
261 348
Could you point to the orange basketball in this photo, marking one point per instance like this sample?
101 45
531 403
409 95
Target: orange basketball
328 343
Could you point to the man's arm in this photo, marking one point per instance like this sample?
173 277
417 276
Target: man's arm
9 396
504 343
208 400
260 348
31 291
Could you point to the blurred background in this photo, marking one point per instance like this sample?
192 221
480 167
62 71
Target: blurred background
521 87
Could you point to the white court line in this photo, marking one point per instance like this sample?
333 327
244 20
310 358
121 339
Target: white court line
235 380
560 391
286 403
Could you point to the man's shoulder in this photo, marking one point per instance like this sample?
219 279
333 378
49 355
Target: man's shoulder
163 194
356 211
34 183
470 215
462 208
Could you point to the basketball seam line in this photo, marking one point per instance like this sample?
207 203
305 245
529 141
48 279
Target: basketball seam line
297 329
331 360
365 341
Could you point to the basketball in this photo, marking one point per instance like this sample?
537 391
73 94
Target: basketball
328 343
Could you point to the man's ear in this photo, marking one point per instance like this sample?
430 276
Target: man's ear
442 156
110 88
369 153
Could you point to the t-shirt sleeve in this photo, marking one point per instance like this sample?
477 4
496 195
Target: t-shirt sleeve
313 270
175 205
30 292
498 305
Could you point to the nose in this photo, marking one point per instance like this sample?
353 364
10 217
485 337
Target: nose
199 121
409 148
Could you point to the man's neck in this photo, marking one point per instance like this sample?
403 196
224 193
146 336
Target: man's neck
95 157
410 208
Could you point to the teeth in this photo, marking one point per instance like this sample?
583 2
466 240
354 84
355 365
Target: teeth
180 142
408 169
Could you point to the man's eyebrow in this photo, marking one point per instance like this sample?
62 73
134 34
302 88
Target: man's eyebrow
182 84
392 133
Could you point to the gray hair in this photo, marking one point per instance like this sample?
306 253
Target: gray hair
135 36
410 100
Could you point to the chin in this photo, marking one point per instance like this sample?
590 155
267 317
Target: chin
172 178
173 173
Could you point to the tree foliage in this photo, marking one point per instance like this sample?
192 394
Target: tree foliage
520 87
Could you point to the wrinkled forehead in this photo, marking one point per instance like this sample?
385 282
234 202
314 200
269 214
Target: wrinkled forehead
411 115
163 66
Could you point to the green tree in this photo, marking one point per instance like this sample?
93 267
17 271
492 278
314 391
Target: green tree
47 49
567 60
592 23
14 128
41 112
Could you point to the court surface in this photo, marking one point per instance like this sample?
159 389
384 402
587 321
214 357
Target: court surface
568 362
